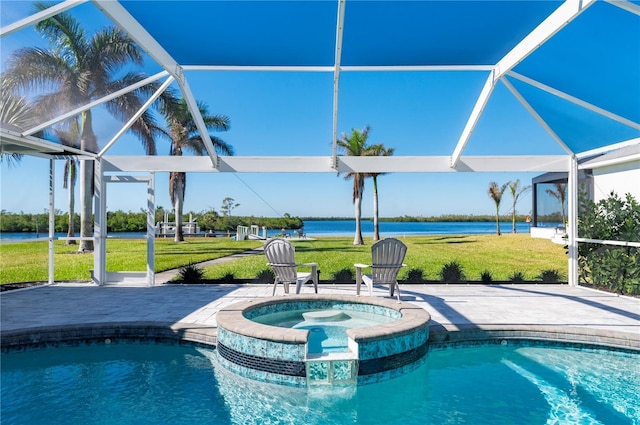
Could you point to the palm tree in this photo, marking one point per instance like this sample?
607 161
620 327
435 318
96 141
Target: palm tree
15 112
377 150
516 191
185 136
77 70
70 174
495 193
356 145
560 193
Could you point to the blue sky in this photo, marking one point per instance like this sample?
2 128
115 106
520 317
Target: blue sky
273 113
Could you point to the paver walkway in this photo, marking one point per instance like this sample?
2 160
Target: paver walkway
553 308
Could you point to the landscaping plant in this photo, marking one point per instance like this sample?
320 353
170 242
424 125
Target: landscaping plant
452 273
610 267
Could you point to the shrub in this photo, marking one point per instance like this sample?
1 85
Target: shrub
486 277
344 276
550 276
516 277
190 273
452 273
415 276
228 278
614 268
265 276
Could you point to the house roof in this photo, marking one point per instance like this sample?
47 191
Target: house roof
556 58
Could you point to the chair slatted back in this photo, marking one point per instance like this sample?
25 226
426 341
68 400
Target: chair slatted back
281 257
387 256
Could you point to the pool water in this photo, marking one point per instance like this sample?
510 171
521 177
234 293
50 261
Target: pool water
140 383
325 336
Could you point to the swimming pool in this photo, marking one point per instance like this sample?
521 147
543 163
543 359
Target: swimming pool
519 382
389 339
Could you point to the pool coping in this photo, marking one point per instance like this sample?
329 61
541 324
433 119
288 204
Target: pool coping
412 318
207 335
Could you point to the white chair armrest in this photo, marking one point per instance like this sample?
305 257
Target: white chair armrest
361 266
308 264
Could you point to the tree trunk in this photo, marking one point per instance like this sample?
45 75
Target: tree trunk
178 193
87 143
376 226
357 240
513 218
497 221
72 187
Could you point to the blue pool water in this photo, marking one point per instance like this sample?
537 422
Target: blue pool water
328 336
139 383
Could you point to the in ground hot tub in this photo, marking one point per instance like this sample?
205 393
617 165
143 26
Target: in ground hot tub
314 339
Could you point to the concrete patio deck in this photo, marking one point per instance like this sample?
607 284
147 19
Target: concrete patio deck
68 311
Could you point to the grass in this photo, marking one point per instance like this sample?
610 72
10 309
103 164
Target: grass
501 255
28 261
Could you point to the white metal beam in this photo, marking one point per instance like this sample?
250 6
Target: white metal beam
346 164
32 145
96 103
258 68
481 102
120 16
151 229
128 23
187 95
535 115
99 224
40 16
572 217
626 5
336 80
608 148
348 68
591 107
565 13
52 220
137 115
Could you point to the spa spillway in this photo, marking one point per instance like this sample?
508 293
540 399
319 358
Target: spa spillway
305 340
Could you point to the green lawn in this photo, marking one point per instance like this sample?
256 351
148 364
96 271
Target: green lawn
28 261
501 255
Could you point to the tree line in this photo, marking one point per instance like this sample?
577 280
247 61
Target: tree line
121 221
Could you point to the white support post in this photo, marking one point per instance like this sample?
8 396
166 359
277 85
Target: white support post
336 81
100 225
572 225
151 230
52 219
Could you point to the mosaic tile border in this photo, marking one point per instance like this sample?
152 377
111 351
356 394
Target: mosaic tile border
263 364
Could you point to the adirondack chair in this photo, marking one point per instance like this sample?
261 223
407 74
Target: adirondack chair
281 257
387 258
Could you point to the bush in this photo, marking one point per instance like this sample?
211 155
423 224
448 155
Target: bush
486 277
610 267
265 276
550 276
517 277
228 278
191 273
452 273
344 276
415 276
